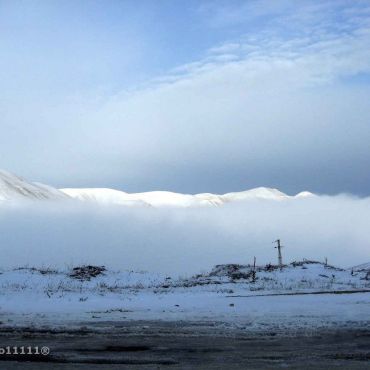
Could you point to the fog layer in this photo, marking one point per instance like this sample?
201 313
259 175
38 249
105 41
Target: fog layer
185 241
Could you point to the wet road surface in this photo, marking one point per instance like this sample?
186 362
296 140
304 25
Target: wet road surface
159 345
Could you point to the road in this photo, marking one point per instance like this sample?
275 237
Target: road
185 345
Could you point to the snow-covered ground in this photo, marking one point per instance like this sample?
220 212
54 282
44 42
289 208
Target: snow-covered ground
228 295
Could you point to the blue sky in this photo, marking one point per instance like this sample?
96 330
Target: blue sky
189 96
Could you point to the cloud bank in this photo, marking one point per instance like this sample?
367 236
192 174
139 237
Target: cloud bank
185 241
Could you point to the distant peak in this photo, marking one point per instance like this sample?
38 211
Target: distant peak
304 194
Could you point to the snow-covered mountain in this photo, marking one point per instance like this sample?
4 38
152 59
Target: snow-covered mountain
13 187
166 198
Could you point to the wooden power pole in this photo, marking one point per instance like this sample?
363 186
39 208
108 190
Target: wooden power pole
280 258
254 270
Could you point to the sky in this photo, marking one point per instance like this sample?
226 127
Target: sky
187 96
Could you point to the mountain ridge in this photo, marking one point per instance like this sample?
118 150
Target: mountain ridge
13 187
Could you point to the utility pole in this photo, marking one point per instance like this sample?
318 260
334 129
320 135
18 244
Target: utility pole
254 271
280 258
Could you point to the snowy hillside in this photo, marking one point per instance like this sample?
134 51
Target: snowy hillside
13 187
16 188
364 267
166 198
303 276
103 196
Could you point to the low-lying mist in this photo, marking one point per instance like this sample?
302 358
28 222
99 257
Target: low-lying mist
185 240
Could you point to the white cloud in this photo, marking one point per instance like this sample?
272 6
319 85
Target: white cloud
224 106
